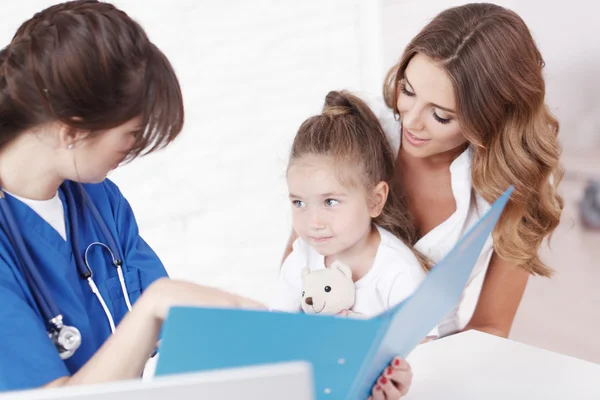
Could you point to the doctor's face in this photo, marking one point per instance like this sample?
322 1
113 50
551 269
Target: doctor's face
95 156
427 110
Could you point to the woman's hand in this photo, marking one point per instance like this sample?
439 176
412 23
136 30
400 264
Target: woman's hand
165 293
394 382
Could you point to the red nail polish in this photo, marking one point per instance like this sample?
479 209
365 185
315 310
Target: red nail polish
389 370
377 387
396 362
383 380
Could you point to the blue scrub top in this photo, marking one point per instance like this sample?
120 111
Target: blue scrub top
28 358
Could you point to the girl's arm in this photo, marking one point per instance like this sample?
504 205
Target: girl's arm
125 353
500 297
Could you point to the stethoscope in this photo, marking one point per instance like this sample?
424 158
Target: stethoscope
67 339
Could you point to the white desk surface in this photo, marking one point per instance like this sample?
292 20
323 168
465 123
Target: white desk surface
475 365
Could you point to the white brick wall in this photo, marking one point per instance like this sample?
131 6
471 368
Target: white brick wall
214 205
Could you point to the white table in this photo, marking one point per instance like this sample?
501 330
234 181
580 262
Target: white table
475 365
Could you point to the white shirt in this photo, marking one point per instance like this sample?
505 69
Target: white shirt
51 211
394 276
438 242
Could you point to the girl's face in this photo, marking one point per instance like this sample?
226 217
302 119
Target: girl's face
428 110
329 216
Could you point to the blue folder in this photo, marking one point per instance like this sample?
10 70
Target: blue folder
347 354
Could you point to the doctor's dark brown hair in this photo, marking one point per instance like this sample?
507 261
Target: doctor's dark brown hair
90 66
492 60
349 132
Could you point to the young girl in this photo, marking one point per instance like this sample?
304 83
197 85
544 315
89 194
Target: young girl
343 209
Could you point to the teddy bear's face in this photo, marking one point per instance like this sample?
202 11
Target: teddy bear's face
328 291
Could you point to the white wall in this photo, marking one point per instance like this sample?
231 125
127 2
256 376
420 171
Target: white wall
214 205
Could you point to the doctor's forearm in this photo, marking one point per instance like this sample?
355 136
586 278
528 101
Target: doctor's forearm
126 352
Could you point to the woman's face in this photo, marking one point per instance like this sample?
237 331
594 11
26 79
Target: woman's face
91 159
427 110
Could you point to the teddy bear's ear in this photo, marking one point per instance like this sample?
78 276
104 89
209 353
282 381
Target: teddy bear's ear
343 268
305 271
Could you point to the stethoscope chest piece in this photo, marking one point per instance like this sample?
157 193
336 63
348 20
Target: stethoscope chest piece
66 338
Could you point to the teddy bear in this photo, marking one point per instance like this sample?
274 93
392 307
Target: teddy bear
329 291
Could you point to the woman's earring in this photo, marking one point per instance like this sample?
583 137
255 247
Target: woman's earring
397 116
70 146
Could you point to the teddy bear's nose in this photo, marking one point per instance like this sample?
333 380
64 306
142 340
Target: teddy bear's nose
308 301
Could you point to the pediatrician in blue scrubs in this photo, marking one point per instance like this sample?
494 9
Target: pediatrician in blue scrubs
82 89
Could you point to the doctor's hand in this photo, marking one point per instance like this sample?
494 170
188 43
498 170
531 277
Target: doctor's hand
394 382
166 293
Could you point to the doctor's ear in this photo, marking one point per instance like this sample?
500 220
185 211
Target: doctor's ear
379 196
69 136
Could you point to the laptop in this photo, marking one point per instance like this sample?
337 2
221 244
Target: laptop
291 380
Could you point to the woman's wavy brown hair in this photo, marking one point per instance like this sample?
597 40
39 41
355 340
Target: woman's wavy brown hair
496 69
